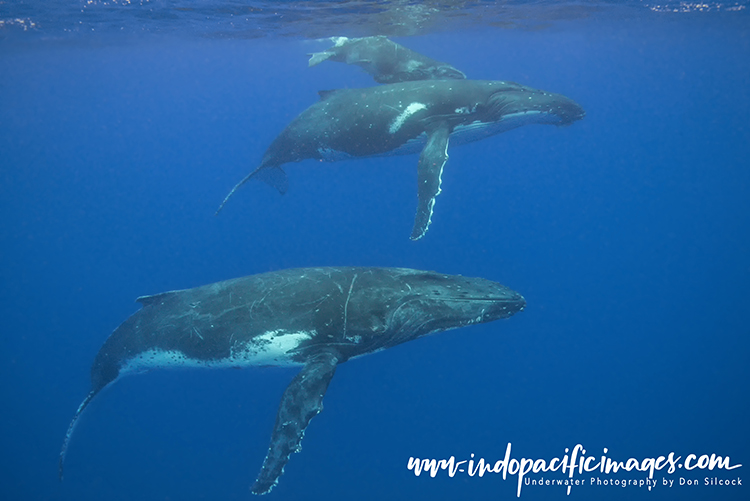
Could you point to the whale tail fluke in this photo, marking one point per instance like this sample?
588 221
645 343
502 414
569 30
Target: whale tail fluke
318 57
71 427
274 176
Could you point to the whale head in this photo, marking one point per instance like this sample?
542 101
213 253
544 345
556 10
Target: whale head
423 303
513 101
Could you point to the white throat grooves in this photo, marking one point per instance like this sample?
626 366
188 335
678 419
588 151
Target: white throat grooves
404 115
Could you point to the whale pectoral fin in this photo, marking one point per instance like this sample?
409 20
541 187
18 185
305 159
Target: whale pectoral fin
302 401
429 171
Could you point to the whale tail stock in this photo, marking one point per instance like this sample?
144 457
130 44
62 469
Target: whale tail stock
273 175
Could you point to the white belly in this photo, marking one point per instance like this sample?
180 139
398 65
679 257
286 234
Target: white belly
271 348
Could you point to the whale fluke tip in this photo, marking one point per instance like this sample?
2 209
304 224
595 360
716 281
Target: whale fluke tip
236 187
71 427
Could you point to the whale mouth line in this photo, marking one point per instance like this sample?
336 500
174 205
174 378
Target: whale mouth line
487 300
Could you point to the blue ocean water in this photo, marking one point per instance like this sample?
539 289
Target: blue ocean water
123 126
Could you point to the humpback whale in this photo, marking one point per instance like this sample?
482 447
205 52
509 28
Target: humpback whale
385 60
405 118
315 318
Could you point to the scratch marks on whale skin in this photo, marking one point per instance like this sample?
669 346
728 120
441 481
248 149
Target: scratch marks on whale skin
197 332
256 303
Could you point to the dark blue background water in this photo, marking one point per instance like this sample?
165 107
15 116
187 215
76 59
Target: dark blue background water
628 234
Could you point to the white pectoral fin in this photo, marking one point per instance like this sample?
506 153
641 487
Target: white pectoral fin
429 172
302 400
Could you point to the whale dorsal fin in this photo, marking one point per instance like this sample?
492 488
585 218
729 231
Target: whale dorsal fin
325 94
302 401
149 300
